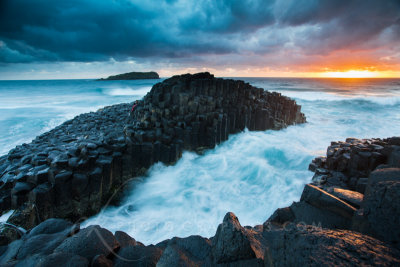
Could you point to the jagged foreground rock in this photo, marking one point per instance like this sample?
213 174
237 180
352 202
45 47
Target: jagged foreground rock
71 171
56 242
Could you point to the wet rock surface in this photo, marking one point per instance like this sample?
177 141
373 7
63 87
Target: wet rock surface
73 170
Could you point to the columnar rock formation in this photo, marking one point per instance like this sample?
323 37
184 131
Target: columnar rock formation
193 112
356 187
71 171
364 174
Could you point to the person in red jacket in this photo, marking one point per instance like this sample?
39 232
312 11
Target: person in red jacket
134 105
133 108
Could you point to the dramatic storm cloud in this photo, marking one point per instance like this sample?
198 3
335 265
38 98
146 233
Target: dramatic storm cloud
306 35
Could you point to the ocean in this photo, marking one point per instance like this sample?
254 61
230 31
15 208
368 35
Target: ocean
252 174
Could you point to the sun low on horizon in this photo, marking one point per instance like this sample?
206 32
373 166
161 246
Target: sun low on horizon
354 74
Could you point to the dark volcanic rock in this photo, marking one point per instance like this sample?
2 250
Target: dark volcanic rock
355 159
11 252
305 213
323 200
133 76
43 244
52 226
233 245
310 246
63 259
231 242
381 210
190 251
369 166
351 197
124 239
101 261
138 256
71 171
90 242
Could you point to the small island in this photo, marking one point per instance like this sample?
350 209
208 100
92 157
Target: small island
133 76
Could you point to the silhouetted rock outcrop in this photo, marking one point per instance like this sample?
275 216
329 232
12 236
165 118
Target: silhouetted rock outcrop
133 76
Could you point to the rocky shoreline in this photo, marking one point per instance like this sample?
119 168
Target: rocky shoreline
331 225
71 171
348 215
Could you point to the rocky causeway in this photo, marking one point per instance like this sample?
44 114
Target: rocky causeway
348 215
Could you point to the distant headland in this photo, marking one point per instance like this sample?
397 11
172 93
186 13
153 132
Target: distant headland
132 76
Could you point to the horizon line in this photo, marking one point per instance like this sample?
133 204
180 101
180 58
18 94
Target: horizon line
272 77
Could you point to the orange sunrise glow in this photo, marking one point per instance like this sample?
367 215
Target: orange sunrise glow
351 74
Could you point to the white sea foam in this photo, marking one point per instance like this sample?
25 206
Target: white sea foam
252 174
5 216
128 91
245 175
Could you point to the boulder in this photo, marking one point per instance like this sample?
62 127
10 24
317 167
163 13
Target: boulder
52 226
231 243
325 201
124 239
89 242
43 244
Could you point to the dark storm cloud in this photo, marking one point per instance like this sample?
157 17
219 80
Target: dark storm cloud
81 30
229 16
342 24
95 30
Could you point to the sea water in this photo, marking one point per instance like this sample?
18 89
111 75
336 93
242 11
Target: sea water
30 108
251 174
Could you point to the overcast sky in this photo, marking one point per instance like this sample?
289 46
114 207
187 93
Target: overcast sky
95 38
